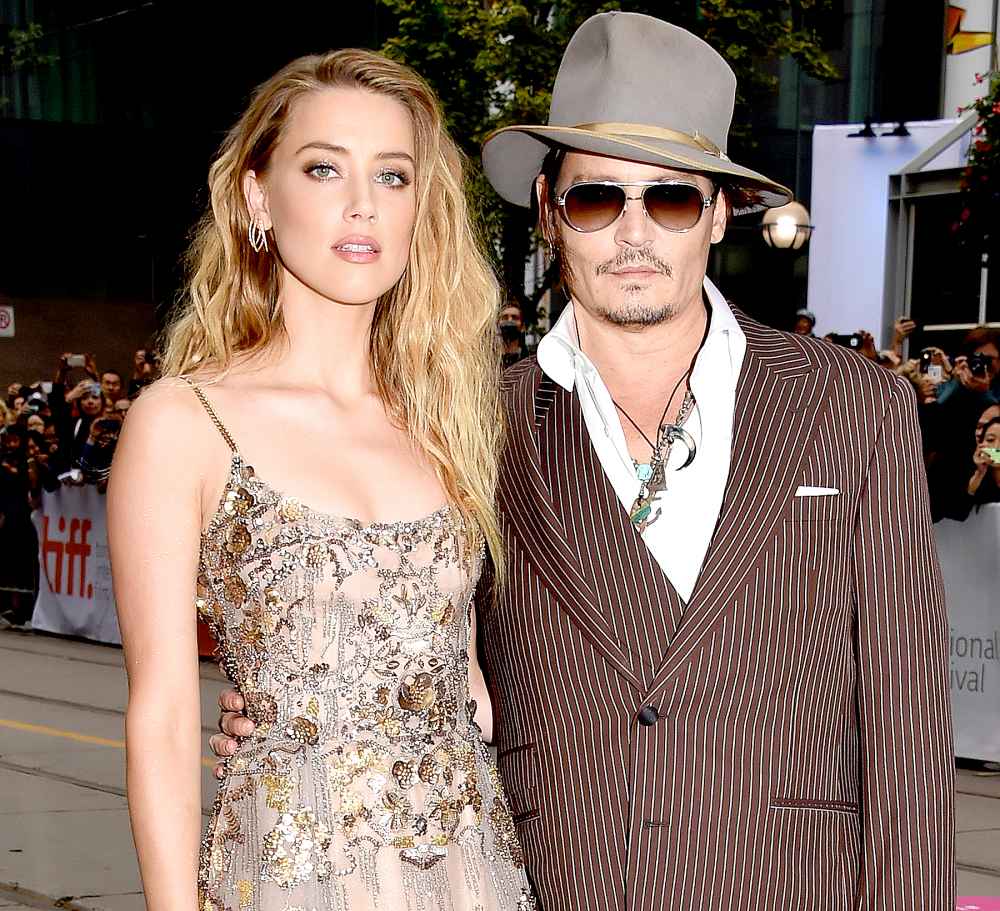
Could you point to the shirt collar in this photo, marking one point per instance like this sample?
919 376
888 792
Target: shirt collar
560 357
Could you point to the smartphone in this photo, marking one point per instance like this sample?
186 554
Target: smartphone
925 360
848 341
76 360
993 455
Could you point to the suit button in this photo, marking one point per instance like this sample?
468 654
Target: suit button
648 716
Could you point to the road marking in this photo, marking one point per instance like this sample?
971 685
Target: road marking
46 731
79 706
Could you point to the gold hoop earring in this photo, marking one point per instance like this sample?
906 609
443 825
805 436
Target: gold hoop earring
257 236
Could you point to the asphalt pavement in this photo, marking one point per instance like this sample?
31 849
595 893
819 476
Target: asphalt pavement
64 831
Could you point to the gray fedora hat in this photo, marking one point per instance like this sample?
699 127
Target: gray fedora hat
635 87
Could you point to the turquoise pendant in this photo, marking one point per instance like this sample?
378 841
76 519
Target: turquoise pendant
640 513
644 472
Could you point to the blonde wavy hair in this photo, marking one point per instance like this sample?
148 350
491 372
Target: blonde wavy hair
433 347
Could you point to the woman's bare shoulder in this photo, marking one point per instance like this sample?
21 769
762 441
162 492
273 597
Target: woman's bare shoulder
168 405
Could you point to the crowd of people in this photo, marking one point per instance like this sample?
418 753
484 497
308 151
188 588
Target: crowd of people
958 403
64 431
55 432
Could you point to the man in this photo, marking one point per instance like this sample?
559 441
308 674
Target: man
511 328
805 322
111 385
718 682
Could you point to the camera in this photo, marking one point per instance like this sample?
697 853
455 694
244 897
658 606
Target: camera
76 360
979 364
848 341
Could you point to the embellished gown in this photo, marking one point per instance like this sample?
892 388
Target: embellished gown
366 784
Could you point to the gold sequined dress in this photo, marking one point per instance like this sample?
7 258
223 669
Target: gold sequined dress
366 784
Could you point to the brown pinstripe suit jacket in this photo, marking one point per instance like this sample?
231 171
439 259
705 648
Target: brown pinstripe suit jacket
803 754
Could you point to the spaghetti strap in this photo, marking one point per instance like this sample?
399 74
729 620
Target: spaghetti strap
211 413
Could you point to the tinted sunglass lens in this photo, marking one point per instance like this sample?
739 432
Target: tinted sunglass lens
592 206
676 207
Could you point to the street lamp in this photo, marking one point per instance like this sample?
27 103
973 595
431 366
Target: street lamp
786 227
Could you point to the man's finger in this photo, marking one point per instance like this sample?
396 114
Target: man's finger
231 701
236 725
220 770
222 745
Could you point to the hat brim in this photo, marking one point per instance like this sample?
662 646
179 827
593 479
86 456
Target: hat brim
513 157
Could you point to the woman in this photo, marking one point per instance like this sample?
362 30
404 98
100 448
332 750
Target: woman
338 336
984 485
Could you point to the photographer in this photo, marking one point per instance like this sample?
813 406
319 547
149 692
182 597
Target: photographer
99 449
984 485
89 398
961 401
975 370
145 366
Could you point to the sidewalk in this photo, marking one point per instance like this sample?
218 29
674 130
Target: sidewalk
65 840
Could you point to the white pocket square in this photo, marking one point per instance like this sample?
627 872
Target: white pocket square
805 491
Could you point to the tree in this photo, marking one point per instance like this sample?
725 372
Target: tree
493 63
21 50
980 184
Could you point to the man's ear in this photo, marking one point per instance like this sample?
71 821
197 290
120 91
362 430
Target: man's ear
256 199
720 216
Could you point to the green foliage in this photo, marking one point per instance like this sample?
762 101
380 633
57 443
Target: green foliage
493 63
981 180
23 50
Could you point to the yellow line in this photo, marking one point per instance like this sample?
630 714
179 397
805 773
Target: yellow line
73 735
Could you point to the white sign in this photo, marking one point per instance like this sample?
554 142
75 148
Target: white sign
968 552
849 207
6 321
74 591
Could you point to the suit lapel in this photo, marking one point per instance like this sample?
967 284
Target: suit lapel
637 598
532 518
778 399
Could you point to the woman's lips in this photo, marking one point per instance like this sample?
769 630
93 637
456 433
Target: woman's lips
357 249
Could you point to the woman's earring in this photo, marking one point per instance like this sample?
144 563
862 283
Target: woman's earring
257 236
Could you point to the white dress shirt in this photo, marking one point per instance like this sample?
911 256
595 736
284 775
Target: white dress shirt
690 505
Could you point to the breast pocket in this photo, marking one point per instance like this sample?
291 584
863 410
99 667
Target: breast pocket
817 508
518 767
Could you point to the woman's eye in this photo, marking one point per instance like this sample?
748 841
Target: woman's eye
392 179
322 171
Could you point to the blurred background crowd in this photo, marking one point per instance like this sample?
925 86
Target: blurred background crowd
958 404
64 431
53 432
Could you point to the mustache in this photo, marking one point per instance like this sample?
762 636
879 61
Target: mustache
629 258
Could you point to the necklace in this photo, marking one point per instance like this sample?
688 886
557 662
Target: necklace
652 477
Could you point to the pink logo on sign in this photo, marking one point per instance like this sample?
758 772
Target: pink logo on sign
978 903
4 319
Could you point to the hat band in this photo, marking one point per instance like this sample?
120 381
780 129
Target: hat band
695 141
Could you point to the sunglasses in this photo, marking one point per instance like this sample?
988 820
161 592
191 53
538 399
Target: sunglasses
595 204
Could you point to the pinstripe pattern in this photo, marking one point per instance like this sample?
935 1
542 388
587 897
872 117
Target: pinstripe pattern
803 754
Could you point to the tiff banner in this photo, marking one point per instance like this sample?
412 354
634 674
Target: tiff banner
74 591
